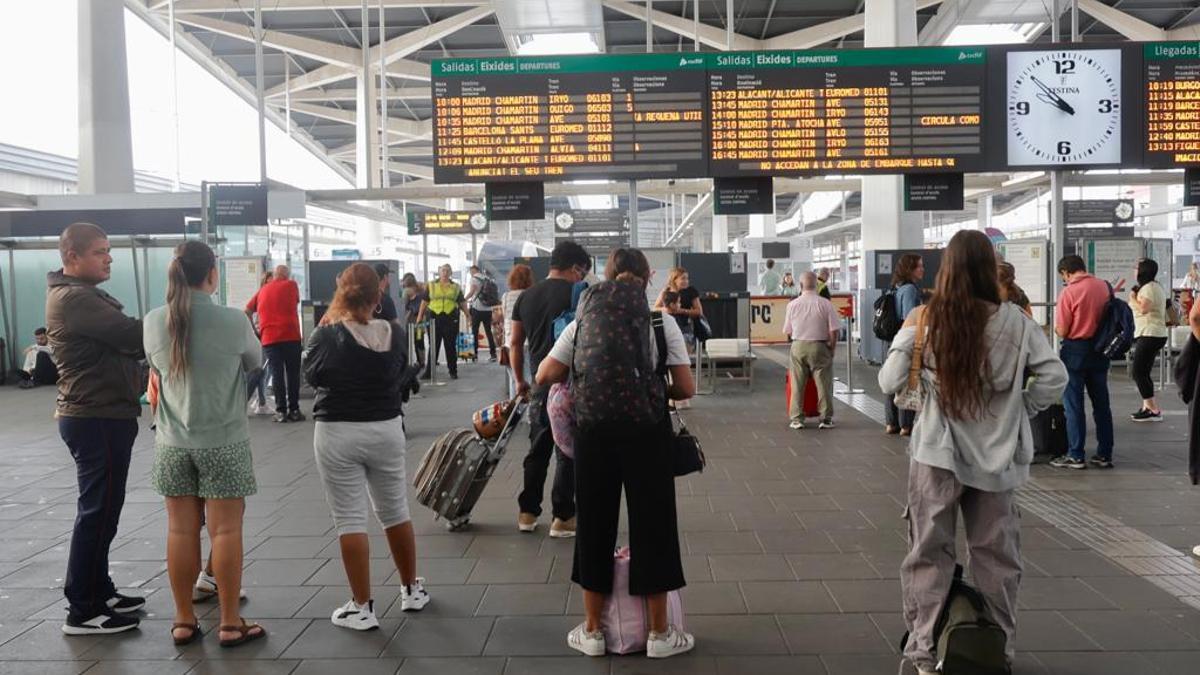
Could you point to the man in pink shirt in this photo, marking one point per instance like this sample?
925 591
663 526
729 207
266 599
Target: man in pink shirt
812 324
1081 309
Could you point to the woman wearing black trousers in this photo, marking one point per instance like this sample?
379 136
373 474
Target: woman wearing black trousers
1148 300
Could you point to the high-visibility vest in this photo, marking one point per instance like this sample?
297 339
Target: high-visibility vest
443 298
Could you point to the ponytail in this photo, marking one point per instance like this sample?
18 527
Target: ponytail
191 266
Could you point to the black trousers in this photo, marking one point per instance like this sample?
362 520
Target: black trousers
1145 349
101 449
537 464
445 327
604 464
284 361
44 370
482 316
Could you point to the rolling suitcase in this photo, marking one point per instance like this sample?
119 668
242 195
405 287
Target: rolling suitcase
811 407
458 466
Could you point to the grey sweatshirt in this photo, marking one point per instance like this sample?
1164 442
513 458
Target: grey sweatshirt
993 452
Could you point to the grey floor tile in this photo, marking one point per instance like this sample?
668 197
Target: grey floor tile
516 545
512 570
695 663
266 602
787 597
1172 663
128 667
718 635
280 634
444 666
287 572
348 665
1049 631
1073 564
323 640
833 634
523 599
437 571
1060 593
428 636
23 603
703 543
1133 593
769 665
1130 630
804 541
865 595
446 602
820 566
556 665
530 636
321 604
244 668
293 547
1094 663
45 667
765 567
46 642
152 641
711 598
333 573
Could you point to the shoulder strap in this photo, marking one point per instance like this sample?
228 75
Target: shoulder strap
660 340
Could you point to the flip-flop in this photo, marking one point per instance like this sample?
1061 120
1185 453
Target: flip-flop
192 637
244 634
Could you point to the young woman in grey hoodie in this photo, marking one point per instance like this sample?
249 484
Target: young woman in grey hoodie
986 368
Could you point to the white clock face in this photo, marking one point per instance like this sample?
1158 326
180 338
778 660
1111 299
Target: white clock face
1064 107
478 222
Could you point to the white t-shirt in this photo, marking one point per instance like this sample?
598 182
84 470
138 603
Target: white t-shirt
509 301
563 350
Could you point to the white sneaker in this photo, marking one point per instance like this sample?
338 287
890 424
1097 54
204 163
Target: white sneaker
355 616
796 424
414 598
1196 551
926 672
670 643
588 644
264 409
206 588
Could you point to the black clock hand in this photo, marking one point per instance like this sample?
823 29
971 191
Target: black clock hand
1052 98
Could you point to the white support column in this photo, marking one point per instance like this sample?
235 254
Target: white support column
885 224
983 217
762 225
366 145
105 145
1160 223
720 234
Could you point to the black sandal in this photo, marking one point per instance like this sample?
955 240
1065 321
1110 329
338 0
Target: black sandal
244 634
192 637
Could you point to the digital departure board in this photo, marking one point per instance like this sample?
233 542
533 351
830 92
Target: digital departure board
568 117
847 111
1172 89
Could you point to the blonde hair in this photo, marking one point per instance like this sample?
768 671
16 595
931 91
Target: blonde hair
673 277
192 264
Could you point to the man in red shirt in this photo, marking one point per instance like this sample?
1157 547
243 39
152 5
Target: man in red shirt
1081 309
279 327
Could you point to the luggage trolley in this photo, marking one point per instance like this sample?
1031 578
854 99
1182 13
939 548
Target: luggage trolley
456 469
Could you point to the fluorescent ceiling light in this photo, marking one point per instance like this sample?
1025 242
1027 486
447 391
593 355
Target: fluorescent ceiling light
545 44
994 34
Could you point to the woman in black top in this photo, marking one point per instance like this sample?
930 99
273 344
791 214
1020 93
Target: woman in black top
356 365
690 310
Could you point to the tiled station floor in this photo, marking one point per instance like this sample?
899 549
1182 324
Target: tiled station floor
792 543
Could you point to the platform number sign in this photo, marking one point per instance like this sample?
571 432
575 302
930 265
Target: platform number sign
1064 107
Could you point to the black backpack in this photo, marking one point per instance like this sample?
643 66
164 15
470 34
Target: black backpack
886 321
967 640
1114 336
489 293
614 381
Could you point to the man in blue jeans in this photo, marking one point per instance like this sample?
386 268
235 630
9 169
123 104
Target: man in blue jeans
1078 315
96 349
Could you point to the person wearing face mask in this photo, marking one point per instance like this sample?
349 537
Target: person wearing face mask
532 331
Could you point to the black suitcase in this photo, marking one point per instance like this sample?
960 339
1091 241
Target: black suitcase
1049 433
457 467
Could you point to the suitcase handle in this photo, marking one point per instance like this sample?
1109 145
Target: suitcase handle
510 425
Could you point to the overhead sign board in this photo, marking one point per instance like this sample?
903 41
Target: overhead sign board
933 192
448 222
743 195
1088 211
516 201
232 205
588 221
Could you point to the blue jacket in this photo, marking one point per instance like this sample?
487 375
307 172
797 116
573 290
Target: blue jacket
908 298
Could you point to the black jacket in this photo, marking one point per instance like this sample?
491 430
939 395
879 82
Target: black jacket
1187 378
354 383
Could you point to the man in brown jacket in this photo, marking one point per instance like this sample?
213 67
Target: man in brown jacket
96 348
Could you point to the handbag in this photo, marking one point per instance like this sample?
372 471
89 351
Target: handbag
505 361
912 396
687 455
702 329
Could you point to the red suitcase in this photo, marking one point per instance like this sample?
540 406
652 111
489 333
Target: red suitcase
811 406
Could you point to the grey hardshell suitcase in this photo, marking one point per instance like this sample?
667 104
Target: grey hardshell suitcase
458 466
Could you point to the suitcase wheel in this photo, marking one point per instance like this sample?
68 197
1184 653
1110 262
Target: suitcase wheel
458 523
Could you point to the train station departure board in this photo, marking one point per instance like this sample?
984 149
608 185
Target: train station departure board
847 111
567 117
1172 89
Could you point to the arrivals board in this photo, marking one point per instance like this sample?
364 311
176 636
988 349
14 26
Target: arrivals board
1172 89
568 117
847 111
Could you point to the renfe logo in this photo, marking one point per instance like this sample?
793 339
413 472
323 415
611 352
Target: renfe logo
963 56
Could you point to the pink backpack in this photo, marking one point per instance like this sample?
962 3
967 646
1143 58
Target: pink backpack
626 621
560 406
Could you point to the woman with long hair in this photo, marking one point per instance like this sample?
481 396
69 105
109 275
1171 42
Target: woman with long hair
1009 290
1148 300
611 454
690 309
355 363
908 273
200 353
971 445
520 277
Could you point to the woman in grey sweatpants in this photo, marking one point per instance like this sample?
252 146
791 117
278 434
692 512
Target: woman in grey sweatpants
356 365
971 445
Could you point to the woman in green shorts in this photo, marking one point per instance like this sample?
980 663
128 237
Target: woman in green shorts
200 352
